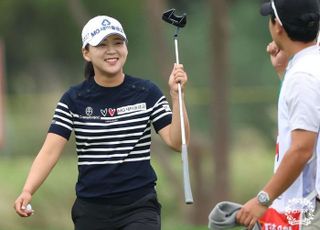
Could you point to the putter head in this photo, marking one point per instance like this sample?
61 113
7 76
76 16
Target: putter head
170 17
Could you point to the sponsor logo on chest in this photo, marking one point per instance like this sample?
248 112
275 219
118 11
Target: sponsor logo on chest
110 112
131 108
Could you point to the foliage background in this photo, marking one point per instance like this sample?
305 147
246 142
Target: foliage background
43 59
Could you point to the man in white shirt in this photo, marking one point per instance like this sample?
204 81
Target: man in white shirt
293 25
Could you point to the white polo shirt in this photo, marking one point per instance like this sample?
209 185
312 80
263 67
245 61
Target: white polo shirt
299 108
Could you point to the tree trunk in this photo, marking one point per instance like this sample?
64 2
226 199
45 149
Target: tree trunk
219 106
2 93
154 11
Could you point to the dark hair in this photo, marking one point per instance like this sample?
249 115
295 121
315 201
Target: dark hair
88 68
273 18
305 29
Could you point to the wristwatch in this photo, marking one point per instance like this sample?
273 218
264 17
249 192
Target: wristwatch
263 198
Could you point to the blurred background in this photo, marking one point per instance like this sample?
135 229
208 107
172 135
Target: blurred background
231 99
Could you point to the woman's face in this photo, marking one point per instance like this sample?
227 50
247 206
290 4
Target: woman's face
109 57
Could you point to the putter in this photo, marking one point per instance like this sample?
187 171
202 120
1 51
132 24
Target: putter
179 22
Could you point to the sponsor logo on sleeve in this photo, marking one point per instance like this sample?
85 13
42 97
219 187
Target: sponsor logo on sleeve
166 108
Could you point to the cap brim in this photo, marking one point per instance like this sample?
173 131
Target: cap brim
102 36
95 42
266 9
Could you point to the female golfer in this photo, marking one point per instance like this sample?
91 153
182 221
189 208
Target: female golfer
111 114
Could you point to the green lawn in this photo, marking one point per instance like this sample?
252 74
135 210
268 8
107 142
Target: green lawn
53 201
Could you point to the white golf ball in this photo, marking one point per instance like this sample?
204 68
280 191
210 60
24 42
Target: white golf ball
29 207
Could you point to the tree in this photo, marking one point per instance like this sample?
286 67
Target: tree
219 106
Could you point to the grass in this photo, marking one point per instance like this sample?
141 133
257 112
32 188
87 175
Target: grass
53 201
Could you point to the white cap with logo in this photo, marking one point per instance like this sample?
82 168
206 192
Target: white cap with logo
100 27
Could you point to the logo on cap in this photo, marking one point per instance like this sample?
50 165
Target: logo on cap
105 22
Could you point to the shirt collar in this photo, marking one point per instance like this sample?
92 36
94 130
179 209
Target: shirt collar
302 53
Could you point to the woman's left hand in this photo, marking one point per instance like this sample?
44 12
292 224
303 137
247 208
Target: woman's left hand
178 75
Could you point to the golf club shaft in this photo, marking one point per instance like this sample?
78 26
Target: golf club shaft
184 150
183 131
176 47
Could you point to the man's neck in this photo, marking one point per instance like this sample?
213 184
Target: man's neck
294 47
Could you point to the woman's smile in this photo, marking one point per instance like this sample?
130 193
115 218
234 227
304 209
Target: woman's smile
112 61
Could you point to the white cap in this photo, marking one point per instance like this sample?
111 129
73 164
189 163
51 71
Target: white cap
98 28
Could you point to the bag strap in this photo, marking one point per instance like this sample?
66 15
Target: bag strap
311 195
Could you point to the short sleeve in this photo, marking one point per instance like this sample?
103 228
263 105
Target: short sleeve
62 122
161 115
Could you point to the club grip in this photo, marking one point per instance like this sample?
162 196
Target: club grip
186 176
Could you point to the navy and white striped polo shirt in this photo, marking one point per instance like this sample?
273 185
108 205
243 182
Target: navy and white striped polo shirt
112 127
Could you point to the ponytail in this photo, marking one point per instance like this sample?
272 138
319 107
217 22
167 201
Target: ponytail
88 70
88 67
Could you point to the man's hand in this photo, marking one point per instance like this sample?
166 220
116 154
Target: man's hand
278 58
250 213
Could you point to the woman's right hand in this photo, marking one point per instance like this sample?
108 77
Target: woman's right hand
40 169
20 205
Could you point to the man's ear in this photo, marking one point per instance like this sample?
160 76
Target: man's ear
279 28
85 54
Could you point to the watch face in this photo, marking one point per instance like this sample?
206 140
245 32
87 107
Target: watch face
263 198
